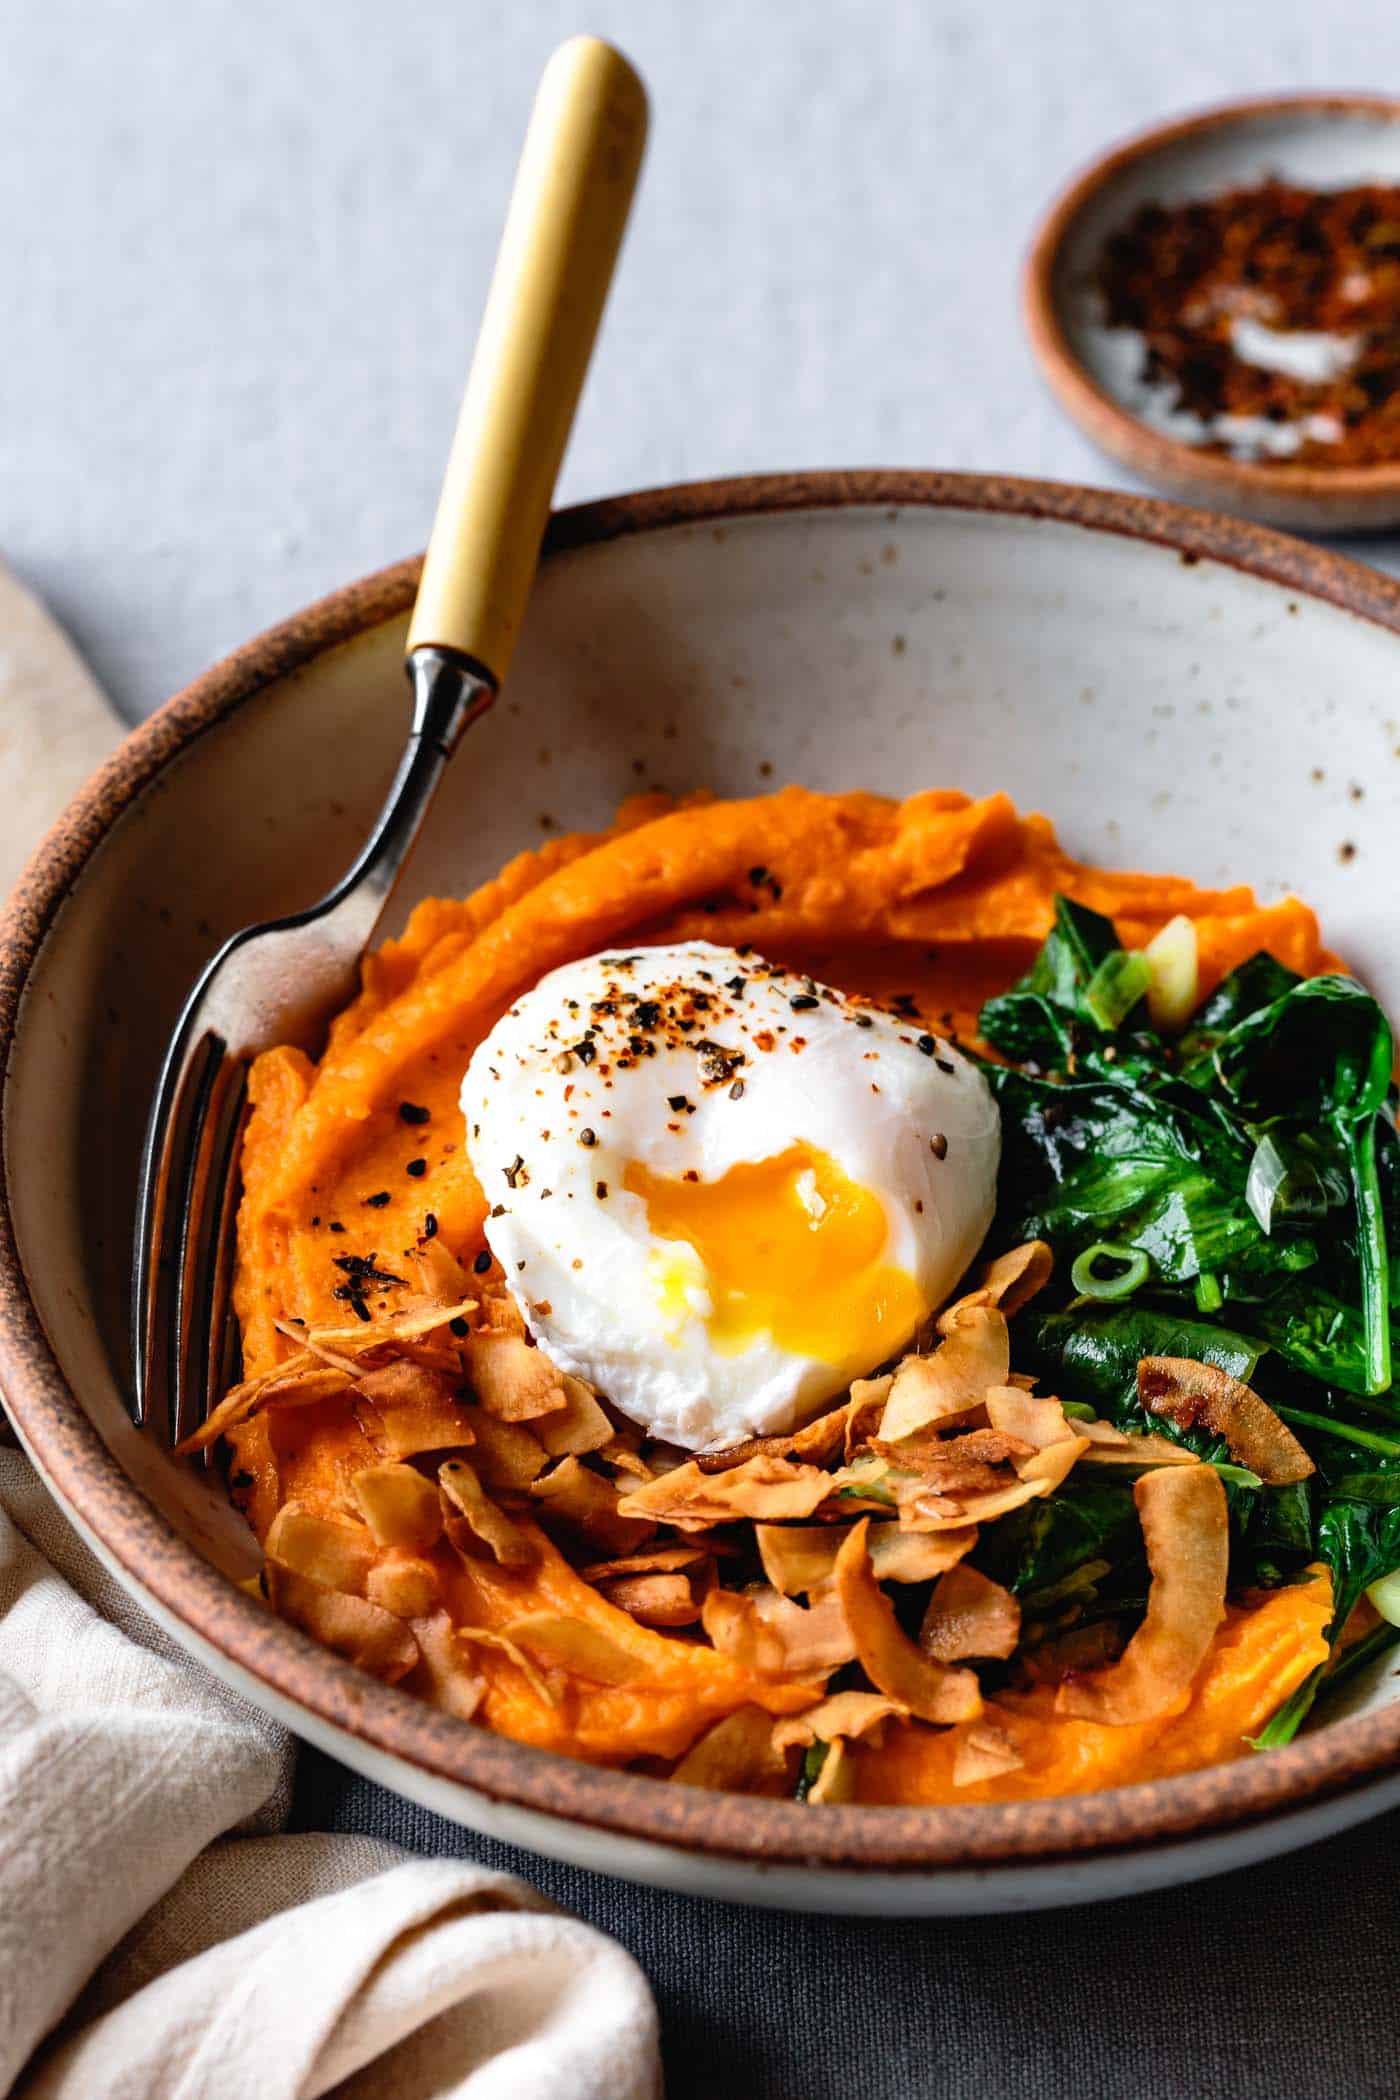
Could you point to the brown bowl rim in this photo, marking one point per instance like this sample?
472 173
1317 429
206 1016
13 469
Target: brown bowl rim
1103 419
733 1828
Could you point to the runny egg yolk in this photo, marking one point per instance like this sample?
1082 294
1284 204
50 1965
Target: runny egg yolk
789 1247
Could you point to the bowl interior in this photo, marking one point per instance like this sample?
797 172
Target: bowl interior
1167 710
1317 145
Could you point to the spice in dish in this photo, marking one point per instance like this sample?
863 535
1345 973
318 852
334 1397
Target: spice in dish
1097 1502
1269 318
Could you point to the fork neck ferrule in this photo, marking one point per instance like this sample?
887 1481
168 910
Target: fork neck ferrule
450 690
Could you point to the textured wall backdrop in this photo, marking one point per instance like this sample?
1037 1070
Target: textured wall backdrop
246 243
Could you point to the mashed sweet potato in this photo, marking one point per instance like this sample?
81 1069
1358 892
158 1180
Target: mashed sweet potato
936 902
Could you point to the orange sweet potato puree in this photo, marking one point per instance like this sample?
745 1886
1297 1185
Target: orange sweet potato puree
940 898
1259 1657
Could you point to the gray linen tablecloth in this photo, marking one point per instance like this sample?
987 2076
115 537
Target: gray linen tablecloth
1277 1983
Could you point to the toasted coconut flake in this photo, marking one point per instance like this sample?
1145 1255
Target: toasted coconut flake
969 1615
1185 1528
486 1637
983 1751
942 1471
621 1457
299 1382
574 1494
769 1488
341 1362
473 1523
450 1682
398 1327
836 1780
885 1652
1193 1394
1009 1283
816 1443
399 1505
776 1638
404 1584
1116 1449
1046 1468
338 1556
578 1428
798 1558
653 1600
1037 1422
362 1632
411 1410
571 1644
512 1381
922 1510
864 1409
653 1560
951 1382
736 1756
498 1312
506 1454
844 1716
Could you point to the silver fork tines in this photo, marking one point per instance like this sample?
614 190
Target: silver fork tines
278 983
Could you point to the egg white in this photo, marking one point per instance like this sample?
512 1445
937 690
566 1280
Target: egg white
552 1130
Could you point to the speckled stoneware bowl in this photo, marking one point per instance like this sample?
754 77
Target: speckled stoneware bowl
1178 691
1320 141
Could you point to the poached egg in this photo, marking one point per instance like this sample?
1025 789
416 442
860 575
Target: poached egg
720 1191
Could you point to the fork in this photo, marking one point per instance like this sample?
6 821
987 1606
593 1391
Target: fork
282 982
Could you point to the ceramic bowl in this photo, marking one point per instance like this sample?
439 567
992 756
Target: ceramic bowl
1319 141
1179 691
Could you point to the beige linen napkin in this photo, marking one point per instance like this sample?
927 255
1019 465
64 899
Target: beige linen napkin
143 1949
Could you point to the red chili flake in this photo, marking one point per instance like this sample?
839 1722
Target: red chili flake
1293 260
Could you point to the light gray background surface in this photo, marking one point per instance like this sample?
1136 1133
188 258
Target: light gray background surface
247 242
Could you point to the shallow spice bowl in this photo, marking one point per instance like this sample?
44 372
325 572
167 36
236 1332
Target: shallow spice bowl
1178 691
1321 141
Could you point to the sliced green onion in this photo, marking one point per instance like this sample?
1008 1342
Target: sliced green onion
1173 964
1349 1432
1209 1296
1079 1411
1290 1716
1238 1476
1090 1284
1385 1595
813 1758
1117 985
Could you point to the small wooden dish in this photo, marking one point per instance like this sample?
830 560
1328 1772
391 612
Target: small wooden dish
1322 141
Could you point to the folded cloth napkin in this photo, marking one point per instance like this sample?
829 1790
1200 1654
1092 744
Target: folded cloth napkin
154 1937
